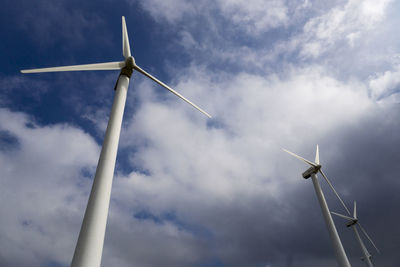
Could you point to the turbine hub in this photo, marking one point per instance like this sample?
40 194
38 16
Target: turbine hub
129 65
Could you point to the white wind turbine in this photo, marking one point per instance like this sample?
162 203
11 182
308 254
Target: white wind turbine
341 256
88 250
352 222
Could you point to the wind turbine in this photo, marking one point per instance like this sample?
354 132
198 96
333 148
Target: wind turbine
341 256
88 250
352 222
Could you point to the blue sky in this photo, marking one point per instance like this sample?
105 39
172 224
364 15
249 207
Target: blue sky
190 191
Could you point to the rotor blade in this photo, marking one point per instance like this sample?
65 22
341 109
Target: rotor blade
369 238
126 50
333 189
355 210
170 89
300 158
97 66
343 216
317 155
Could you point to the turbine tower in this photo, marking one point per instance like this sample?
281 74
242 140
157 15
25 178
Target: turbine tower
352 222
341 256
88 250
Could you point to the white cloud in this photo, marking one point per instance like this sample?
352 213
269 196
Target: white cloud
338 34
255 16
342 23
29 87
43 189
172 10
383 84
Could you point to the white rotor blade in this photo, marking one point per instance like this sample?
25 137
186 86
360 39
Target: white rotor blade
369 238
170 89
317 155
126 50
333 189
355 210
343 216
300 158
97 66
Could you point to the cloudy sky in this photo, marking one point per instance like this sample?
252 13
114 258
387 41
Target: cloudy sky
191 191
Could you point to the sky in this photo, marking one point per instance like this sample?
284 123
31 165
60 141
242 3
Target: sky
188 190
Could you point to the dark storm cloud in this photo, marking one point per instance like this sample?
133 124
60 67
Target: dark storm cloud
361 161
365 164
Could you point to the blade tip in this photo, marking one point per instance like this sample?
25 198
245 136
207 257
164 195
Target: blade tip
208 115
202 111
26 71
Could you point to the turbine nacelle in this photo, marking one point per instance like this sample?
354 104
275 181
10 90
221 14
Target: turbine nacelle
368 255
310 171
351 222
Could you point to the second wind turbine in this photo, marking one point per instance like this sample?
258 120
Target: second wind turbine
89 248
353 222
341 256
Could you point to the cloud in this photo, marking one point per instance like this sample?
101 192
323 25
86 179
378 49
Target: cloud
241 36
256 16
44 189
172 11
385 84
17 85
342 23
227 177
252 17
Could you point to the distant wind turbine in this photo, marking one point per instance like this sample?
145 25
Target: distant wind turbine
341 256
88 250
352 222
